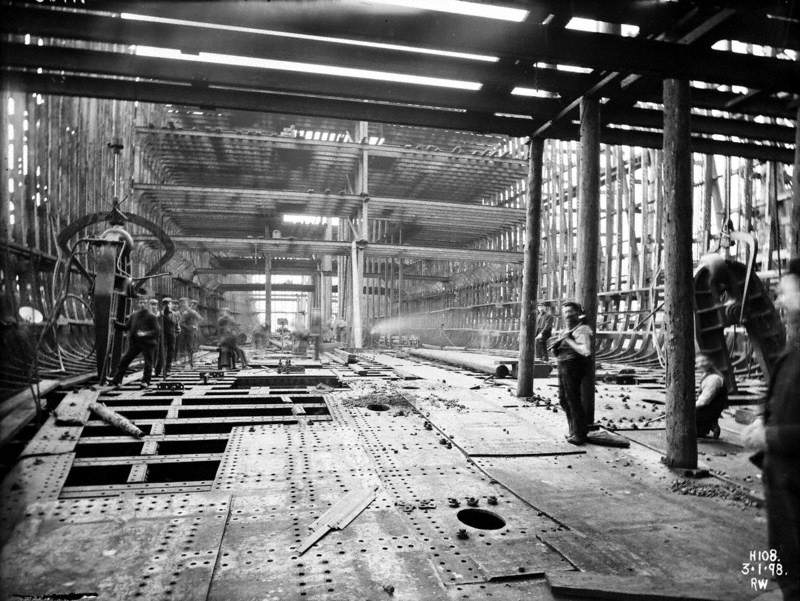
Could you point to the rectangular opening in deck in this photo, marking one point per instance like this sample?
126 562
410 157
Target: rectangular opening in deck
90 431
288 381
134 414
236 412
182 472
188 447
307 399
143 402
98 475
108 449
213 427
163 393
239 400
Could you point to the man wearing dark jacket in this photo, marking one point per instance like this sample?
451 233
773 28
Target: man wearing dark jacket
777 435
169 321
143 332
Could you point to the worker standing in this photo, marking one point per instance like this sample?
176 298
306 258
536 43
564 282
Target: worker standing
152 305
544 326
170 329
776 437
190 321
573 349
142 328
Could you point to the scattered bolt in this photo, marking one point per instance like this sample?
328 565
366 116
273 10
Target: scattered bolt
453 502
472 502
492 500
462 534
389 589
428 425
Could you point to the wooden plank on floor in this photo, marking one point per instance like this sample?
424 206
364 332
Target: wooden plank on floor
73 410
17 411
639 588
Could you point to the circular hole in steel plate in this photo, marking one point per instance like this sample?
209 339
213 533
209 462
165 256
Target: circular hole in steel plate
378 407
481 519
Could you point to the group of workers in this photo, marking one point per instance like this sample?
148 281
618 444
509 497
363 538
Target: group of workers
775 436
160 332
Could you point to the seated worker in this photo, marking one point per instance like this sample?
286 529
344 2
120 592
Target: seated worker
260 336
573 349
228 332
711 399
143 333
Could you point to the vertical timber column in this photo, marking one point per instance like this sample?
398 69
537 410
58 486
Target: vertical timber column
357 253
794 216
530 270
327 268
268 291
8 172
609 266
589 232
678 313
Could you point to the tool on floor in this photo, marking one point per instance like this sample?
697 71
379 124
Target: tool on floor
339 516
113 418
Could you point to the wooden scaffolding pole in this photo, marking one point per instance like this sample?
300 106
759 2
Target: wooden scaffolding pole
794 243
678 313
589 232
620 182
268 291
609 266
530 270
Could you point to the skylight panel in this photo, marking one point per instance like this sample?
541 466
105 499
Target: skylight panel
534 92
461 7
303 36
582 24
317 69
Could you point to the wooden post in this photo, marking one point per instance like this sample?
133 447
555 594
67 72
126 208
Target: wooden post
678 283
748 194
644 271
620 195
659 219
8 172
530 273
357 252
589 232
268 291
630 197
794 214
609 220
